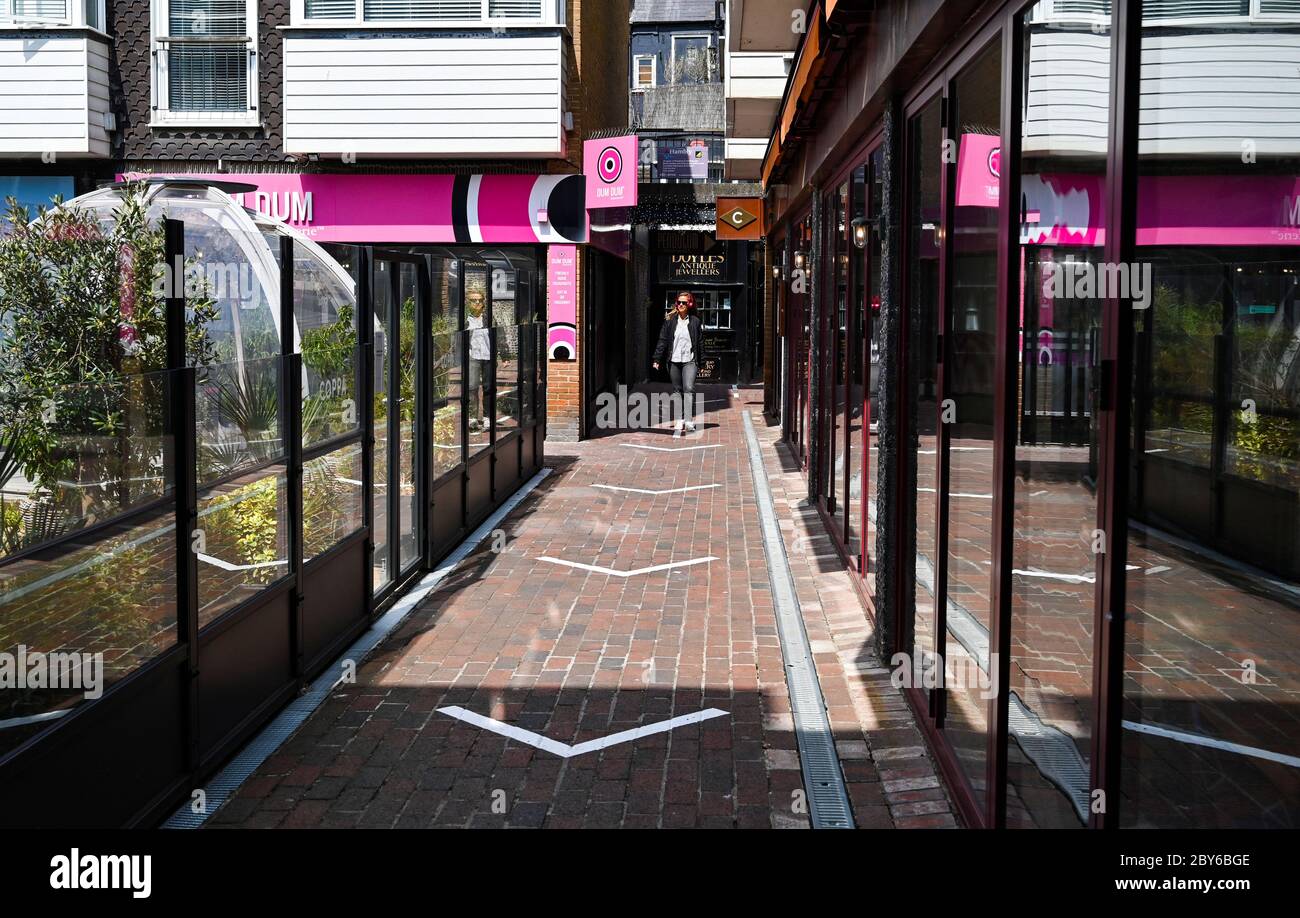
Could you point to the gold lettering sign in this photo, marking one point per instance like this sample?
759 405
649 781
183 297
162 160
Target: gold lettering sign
697 265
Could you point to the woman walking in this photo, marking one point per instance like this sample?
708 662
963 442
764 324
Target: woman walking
679 342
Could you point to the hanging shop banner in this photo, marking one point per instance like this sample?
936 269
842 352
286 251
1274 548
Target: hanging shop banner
610 168
979 170
367 208
740 218
562 302
688 162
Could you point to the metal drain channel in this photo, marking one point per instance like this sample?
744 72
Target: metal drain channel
224 784
828 802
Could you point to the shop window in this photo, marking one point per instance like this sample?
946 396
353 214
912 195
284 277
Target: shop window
1049 691
1211 737
712 306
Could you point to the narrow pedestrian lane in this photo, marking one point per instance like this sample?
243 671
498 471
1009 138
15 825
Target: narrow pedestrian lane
615 663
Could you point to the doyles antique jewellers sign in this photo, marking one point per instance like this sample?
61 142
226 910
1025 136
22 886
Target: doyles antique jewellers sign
700 269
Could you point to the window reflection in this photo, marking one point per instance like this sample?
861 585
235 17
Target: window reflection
1211 732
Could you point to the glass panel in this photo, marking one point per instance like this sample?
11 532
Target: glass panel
480 377
407 412
1053 567
383 300
875 265
1211 731
333 496
527 371
324 307
447 376
506 403
244 547
854 508
923 179
971 338
237 406
506 343
839 217
88 612
692 60
73 456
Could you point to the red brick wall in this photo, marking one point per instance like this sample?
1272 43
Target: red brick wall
597 90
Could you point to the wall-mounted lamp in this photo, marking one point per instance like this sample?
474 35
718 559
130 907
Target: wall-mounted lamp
798 259
776 270
860 232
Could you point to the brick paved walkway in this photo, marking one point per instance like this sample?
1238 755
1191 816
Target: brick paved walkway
577 655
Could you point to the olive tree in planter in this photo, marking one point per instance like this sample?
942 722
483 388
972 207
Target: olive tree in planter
82 338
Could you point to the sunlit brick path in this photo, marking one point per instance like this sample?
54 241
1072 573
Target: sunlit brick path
576 655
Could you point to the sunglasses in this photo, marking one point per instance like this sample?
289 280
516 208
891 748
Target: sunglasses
683 302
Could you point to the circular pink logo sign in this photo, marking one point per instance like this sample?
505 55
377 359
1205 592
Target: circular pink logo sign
610 165
995 161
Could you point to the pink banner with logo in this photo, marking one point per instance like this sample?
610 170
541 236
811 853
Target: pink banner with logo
365 208
611 169
1069 209
562 302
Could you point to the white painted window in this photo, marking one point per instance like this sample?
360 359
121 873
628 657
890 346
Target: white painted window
73 13
693 59
1173 12
205 63
643 71
493 13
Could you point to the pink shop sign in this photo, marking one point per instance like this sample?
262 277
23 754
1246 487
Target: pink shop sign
611 169
562 302
362 208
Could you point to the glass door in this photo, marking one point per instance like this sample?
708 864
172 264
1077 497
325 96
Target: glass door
967 405
401 315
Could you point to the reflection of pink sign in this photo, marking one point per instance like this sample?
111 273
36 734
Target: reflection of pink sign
610 167
979 162
562 302
363 208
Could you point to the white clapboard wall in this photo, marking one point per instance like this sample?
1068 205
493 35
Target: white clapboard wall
53 94
470 94
1204 91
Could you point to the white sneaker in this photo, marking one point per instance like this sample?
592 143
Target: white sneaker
690 426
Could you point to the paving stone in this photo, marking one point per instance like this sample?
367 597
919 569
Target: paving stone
576 655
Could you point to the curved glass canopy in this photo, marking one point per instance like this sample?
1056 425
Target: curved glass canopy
236 252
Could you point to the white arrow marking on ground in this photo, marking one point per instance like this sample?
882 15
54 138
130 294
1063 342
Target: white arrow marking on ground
641 570
648 491
564 750
227 566
671 449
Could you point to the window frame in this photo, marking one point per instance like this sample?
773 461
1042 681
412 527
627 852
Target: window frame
637 85
1255 16
161 115
74 17
672 58
552 16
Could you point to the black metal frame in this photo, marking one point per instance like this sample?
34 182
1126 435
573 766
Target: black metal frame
187 709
